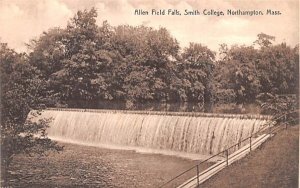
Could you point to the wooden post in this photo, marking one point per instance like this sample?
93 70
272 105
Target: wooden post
227 157
250 143
285 121
198 176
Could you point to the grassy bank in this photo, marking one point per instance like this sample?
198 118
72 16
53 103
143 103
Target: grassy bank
274 164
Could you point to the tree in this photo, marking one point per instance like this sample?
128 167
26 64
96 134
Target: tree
147 66
238 73
223 93
244 72
264 40
81 74
198 62
278 67
48 51
283 108
22 91
77 60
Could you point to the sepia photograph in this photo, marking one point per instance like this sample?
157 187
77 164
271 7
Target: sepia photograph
149 94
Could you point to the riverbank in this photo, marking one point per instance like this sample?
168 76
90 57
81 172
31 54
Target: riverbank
275 164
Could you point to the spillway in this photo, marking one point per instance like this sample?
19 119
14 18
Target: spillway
195 133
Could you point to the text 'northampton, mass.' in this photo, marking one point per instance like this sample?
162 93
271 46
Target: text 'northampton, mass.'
206 12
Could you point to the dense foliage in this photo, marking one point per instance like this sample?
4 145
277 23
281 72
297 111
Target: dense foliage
87 65
244 72
22 90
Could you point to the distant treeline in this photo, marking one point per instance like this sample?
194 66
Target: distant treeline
84 63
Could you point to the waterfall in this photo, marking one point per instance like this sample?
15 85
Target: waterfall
204 134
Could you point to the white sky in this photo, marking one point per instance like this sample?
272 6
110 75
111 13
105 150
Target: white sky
22 20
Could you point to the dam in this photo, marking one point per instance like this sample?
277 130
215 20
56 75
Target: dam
163 132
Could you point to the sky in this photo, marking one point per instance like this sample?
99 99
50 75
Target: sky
23 20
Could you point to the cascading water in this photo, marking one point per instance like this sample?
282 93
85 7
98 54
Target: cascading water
160 131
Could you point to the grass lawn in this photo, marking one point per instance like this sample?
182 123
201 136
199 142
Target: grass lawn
274 164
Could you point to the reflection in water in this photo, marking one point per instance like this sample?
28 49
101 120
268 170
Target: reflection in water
169 106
